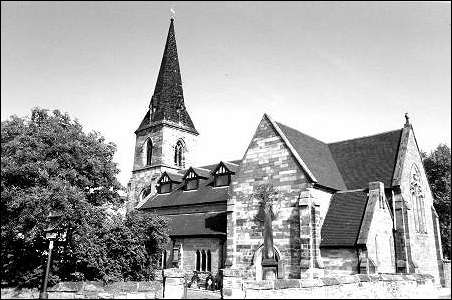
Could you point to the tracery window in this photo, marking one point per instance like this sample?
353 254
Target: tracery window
198 260
209 261
417 200
148 152
179 154
203 260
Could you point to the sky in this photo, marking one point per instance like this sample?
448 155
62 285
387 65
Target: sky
332 70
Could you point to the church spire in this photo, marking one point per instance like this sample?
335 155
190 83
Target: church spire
167 103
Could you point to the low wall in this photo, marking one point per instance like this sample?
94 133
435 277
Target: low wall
446 267
13 293
117 290
348 286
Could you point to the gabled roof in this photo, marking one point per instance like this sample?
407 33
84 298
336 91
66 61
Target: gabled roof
343 219
168 97
172 176
200 172
367 159
317 157
346 165
228 165
206 192
197 224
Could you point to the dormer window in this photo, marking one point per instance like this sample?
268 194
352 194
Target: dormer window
165 185
192 181
222 176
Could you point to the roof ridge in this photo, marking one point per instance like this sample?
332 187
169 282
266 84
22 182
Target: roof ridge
366 136
199 168
350 191
291 148
302 133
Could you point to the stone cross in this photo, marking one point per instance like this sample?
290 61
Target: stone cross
267 215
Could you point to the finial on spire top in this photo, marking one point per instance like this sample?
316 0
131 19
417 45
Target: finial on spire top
407 119
173 14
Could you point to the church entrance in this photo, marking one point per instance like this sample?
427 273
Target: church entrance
257 262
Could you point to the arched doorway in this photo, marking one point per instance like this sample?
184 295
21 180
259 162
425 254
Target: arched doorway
257 261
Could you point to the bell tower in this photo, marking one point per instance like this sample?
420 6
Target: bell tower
166 135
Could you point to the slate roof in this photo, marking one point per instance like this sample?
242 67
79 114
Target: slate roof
168 97
343 220
317 157
367 159
203 172
206 192
174 176
197 224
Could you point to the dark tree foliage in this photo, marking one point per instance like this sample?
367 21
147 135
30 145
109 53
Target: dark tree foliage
49 163
438 168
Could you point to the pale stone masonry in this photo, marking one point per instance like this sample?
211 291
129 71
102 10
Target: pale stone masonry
359 206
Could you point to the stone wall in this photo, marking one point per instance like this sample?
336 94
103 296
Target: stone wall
340 261
164 139
267 160
447 270
97 290
379 241
170 288
351 286
422 246
188 247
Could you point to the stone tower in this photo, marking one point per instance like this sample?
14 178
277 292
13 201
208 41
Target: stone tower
166 135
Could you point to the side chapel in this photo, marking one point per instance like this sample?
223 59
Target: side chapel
356 206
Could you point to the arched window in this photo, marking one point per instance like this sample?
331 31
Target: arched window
179 154
198 260
148 152
203 260
417 200
209 261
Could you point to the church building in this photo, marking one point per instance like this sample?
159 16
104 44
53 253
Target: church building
357 206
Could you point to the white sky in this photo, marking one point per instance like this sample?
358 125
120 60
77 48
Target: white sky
331 70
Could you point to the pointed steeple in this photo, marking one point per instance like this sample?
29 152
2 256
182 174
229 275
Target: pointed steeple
167 102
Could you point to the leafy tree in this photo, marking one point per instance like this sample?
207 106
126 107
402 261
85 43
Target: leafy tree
438 168
49 163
